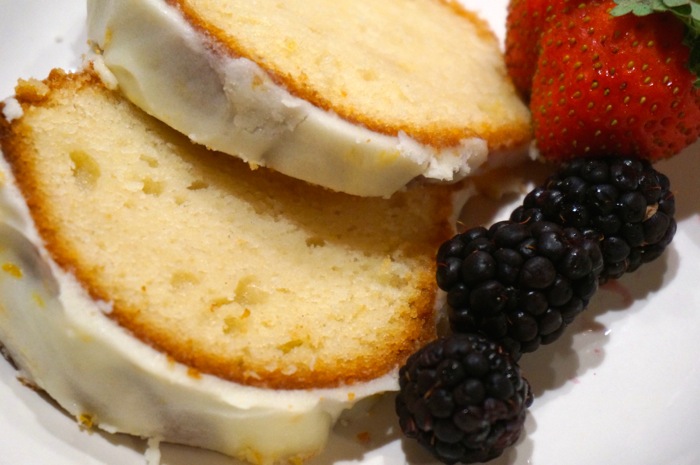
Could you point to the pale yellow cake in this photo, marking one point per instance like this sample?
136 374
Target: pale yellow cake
359 97
199 278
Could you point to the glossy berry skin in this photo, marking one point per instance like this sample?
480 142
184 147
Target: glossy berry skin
519 284
607 84
463 398
525 23
624 204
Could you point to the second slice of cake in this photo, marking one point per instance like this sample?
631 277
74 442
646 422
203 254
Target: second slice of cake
359 97
156 288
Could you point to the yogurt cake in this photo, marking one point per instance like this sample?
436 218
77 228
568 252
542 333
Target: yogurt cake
156 288
358 97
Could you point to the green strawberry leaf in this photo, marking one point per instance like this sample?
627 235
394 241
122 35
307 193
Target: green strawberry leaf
687 11
638 7
675 3
692 40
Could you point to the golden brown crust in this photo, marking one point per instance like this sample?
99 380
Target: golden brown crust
16 140
498 134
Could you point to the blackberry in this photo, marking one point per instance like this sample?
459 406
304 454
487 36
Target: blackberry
518 284
463 398
623 203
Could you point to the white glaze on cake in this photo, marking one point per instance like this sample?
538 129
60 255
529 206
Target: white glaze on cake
11 109
230 104
64 343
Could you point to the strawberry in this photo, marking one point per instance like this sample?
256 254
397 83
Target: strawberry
614 84
525 23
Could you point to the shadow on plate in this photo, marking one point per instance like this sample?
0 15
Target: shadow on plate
582 346
373 436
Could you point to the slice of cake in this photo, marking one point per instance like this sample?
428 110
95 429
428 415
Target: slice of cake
359 97
156 288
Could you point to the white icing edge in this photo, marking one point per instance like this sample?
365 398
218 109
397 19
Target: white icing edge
230 104
12 110
64 343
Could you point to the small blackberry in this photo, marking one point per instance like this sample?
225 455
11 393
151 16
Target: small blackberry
519 284
463 398
625 203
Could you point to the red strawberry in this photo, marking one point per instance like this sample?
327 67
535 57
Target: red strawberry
617 85
524 26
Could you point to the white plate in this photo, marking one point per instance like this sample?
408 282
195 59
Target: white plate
618 389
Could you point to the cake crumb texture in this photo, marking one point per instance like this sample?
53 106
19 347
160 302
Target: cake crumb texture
251 276
428 68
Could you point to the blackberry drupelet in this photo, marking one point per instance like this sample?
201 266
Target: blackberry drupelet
463 398
518 284
625 203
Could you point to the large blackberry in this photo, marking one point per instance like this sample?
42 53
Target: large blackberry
518 284
463 398
624 203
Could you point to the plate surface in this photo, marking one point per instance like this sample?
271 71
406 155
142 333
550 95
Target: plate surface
619 388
